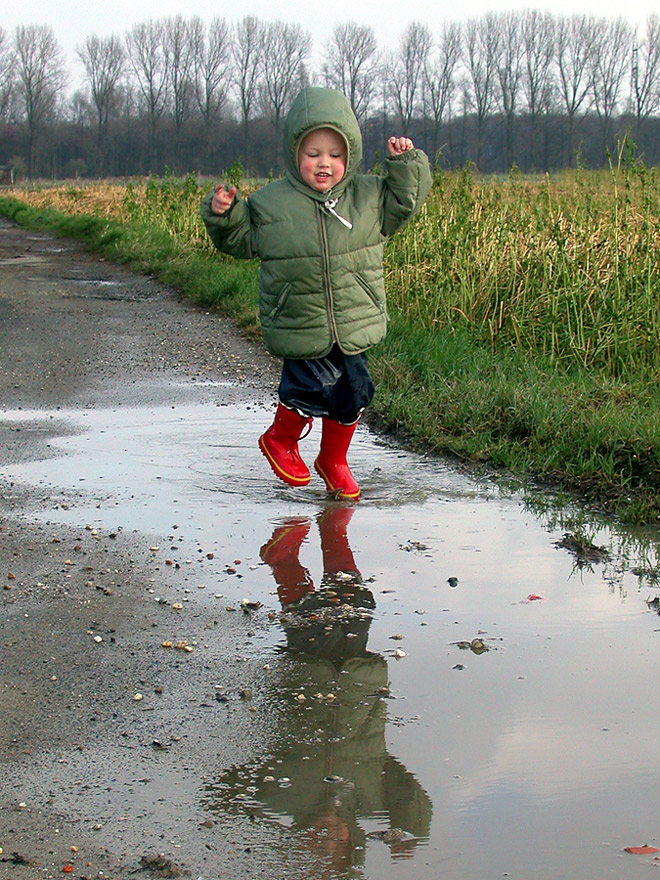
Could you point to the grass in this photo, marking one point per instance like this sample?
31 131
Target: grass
525 313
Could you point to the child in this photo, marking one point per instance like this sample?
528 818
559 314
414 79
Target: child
320 234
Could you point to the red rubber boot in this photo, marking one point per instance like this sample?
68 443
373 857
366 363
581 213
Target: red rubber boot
280 446
281 553
335 549
331 462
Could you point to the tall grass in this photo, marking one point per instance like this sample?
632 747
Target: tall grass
566 269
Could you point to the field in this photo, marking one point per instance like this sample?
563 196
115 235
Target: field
525 313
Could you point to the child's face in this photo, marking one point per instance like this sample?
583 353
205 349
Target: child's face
322 159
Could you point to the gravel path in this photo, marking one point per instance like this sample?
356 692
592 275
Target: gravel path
80 633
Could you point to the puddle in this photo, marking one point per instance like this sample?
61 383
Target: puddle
454 686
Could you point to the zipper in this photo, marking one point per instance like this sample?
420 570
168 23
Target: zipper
325 260
370 293
279 305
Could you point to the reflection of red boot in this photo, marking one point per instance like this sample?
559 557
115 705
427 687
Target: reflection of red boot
281 553
280 446
337 554
331 462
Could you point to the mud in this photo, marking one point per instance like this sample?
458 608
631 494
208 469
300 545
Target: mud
206 673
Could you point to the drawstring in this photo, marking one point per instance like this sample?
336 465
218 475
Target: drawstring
330 207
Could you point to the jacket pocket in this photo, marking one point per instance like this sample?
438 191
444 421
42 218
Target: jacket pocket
281 302
371 293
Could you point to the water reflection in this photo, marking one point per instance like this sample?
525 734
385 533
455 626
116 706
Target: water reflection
328 776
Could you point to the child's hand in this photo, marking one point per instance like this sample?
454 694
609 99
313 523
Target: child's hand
396 146
222 199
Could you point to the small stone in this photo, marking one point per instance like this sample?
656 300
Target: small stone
138 698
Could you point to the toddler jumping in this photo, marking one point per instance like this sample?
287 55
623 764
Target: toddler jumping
320 234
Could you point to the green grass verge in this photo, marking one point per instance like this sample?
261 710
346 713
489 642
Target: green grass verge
442 389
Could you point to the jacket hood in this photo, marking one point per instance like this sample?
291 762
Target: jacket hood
313 108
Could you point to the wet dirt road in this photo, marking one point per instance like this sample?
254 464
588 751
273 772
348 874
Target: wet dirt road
208 674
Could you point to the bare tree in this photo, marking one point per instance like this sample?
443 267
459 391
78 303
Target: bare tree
406 72
103 60
509 64
212 66
145 43
609 63
246 51
645 74
538 39
351 60
439 77
41 78
575 39
481 46
179 48
6 72
285 49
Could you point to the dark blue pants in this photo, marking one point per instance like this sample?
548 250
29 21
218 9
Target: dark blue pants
337 386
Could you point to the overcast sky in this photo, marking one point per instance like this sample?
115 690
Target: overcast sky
73 20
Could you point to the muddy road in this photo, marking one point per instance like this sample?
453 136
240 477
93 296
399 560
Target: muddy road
206 673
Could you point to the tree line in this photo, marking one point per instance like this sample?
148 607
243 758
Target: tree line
532 89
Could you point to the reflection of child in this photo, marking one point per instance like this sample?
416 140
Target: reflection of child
334 620
320 234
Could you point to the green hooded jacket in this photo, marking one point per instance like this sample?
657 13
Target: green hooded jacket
321 282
